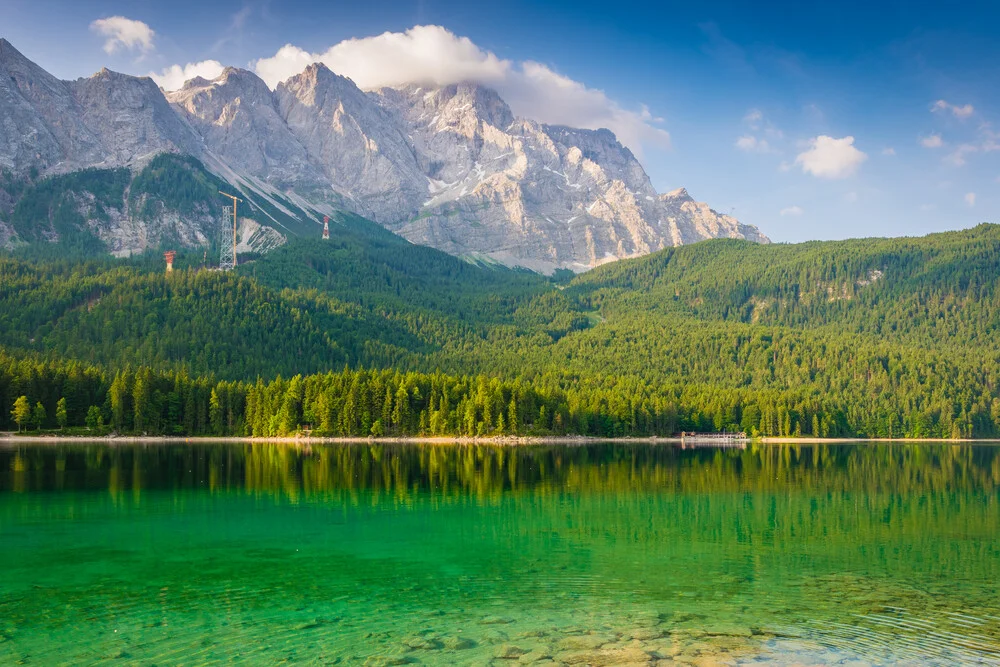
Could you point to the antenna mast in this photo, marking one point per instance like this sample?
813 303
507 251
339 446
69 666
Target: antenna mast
227 255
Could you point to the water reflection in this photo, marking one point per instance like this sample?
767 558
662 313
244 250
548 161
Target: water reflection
450 554
400 470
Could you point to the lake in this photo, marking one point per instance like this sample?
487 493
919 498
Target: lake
469 554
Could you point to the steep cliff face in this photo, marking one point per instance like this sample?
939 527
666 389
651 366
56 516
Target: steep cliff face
535 195
695 221
362 152
237 117
131 118
449 167
40 121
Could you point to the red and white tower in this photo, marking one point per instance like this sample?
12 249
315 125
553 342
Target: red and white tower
169 256
326 227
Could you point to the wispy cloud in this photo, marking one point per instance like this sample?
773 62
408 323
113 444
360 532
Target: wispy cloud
970 198
932 141
234 31
791 210
963 111
752 144
760 129
724 50
957 157
889 151
753 118
124 33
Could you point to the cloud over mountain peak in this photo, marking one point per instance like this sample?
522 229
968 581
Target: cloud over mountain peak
433 55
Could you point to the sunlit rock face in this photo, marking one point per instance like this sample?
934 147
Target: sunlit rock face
237 118
535 195
449 167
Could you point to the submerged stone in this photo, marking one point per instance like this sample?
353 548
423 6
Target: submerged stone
577 642
495 620
458 643
509 652
389 660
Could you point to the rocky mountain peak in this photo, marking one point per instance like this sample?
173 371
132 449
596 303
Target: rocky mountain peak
679 193
242 77
237 116
232 84
445 166
197 82
131 117
41 125
9 55
362 152
318 79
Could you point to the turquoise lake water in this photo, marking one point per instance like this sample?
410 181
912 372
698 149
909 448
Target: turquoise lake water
458 554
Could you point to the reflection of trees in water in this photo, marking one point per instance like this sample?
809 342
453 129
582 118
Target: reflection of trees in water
400 471
777 510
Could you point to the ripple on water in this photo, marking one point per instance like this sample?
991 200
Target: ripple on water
619 555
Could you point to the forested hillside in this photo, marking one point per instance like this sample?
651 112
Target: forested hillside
884 337
172 201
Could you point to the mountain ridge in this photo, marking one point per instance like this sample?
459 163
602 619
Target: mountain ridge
450 167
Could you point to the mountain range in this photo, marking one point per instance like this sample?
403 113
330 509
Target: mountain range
449 167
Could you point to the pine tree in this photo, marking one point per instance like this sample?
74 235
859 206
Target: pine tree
512 421
215 413
39 415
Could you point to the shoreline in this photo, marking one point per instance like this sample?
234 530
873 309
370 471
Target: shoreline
13 437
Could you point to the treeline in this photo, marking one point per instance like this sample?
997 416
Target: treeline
877 338
390 403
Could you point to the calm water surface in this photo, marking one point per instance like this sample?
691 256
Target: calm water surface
597 554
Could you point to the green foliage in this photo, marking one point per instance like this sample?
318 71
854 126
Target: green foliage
21 412
62 417
52 208
39 415
874 338
179 182
94 419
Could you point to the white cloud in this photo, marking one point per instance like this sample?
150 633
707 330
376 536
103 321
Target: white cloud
757 123
433 55
889 151
124 33
541 94
970 198
990 139
752 144
791 210
957 157
831 158
932 141
958 111
851 197
173 77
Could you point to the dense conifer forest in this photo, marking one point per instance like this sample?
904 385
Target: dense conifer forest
367 334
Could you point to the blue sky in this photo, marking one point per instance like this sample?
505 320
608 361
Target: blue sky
810 121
